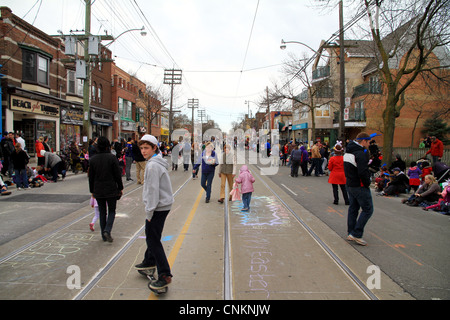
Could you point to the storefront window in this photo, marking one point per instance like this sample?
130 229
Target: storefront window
47 129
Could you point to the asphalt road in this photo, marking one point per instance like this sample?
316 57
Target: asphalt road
408 244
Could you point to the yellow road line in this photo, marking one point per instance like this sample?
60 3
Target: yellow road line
176 248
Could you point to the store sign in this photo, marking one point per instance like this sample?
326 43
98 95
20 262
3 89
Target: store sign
34 106
72 116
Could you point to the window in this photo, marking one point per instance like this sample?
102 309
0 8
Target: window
94 92
74 85
100 93
35 67
125 109
322 111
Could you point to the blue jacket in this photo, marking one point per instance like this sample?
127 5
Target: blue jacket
207 168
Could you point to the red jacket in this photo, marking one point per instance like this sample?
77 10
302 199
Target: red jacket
437 148
336 167
39 146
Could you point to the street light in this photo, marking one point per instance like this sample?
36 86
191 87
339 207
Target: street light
143 33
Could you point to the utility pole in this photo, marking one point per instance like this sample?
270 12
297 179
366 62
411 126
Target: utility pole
201 114
268 109
192 104
172 77
342 71
87 81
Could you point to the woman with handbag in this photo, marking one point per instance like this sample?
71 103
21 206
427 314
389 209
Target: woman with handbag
209 163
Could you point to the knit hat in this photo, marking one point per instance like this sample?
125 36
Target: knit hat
338 149
42 152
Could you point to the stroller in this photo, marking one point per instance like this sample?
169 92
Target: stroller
441 171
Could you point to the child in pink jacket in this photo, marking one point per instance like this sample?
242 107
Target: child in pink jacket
246 179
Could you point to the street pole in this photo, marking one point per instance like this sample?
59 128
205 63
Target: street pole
86 86
172 77
342 72
192 104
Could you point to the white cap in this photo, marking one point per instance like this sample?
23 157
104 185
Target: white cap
150 138
42 152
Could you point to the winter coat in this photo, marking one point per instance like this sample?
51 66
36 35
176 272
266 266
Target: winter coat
305 155
437 148
39 146
105 178
356 165
246 179
336 167
296 155
208 163
19 159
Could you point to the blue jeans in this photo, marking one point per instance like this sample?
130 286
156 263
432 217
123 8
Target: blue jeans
246 198
359 197
206 183
21 178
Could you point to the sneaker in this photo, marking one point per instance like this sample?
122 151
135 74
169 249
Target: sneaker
144 266
91 226
19 189
359 241
162 282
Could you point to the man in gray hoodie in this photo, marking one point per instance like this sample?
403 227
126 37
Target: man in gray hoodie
158 198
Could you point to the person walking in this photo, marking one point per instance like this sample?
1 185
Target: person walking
337 175
105 184
357 174
209 163
316 159
158 199
246 179
304 160
129 158
296 158
227 171
140 162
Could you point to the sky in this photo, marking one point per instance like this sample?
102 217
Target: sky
228 50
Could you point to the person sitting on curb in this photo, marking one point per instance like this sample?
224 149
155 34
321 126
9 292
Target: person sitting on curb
429 193
4 189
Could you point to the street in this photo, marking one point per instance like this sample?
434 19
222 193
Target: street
290 245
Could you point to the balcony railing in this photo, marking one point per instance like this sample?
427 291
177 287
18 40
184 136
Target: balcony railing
367 88
354 114
321 72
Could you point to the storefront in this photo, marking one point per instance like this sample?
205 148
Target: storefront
34 118
300 132
71 125
102 121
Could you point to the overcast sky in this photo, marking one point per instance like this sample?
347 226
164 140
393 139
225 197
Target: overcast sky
224 61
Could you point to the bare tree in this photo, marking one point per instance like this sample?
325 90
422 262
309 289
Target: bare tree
299 88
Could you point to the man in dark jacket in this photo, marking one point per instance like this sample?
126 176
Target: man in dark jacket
105 184
356 167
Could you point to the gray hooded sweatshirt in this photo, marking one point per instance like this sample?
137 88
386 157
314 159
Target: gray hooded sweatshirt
157 192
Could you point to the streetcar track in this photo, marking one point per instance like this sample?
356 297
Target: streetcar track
48 235
360 284
99 275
